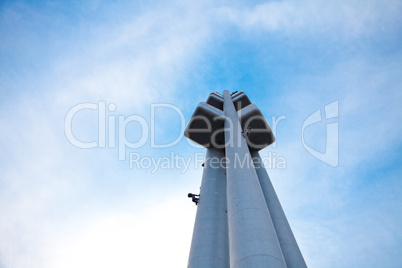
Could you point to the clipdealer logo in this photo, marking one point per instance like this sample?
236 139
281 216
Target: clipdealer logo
107 127
331 154
112 134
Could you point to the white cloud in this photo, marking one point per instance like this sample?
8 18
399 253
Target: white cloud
159 236
320 201
50 188
137 62
340 19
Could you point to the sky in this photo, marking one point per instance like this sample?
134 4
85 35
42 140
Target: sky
94 94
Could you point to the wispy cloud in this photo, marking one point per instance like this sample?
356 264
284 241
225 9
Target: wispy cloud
346 19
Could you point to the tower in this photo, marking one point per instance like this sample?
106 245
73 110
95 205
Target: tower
239 220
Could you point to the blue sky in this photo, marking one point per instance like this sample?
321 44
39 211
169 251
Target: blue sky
64 206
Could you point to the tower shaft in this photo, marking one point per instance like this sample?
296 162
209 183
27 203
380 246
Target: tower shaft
240 222
209 247
252 238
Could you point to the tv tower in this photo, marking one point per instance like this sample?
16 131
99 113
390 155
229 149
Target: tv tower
240 221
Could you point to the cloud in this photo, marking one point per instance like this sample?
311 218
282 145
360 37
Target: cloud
68 207
157 236
350 19
137 62
327 206
49 187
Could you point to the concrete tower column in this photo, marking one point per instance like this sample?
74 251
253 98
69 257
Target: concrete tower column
287 241
252 238
209 246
